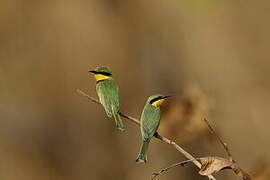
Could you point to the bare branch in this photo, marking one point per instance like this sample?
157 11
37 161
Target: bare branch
182 163
225 145
158 136
87 96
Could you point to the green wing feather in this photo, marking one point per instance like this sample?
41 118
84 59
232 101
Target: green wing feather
108 93
150 121
149 124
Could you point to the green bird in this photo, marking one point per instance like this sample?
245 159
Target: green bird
150 120
108 93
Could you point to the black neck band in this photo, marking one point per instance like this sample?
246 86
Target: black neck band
100 81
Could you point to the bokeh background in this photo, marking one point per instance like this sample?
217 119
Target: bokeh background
213 56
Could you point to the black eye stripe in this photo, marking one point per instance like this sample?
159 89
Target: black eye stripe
104 73
156 99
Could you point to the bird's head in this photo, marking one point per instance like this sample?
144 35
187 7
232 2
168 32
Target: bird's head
157 100
102 73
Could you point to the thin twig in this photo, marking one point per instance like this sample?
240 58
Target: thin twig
158 136
225 145
238 170
182 163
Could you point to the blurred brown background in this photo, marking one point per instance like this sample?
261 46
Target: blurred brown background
212 55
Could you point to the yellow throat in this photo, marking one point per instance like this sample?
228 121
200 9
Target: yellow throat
100 77
158 103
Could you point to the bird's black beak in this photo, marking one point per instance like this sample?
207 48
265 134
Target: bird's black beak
93 71
166 96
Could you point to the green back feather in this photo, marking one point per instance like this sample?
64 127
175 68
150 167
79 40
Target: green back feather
108 93
150 120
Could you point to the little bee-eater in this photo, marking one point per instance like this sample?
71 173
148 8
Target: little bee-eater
150 119
108 94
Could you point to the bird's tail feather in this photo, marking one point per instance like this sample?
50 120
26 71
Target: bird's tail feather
142 157
119 123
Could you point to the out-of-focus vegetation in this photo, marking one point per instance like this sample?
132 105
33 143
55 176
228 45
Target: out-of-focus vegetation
213 56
